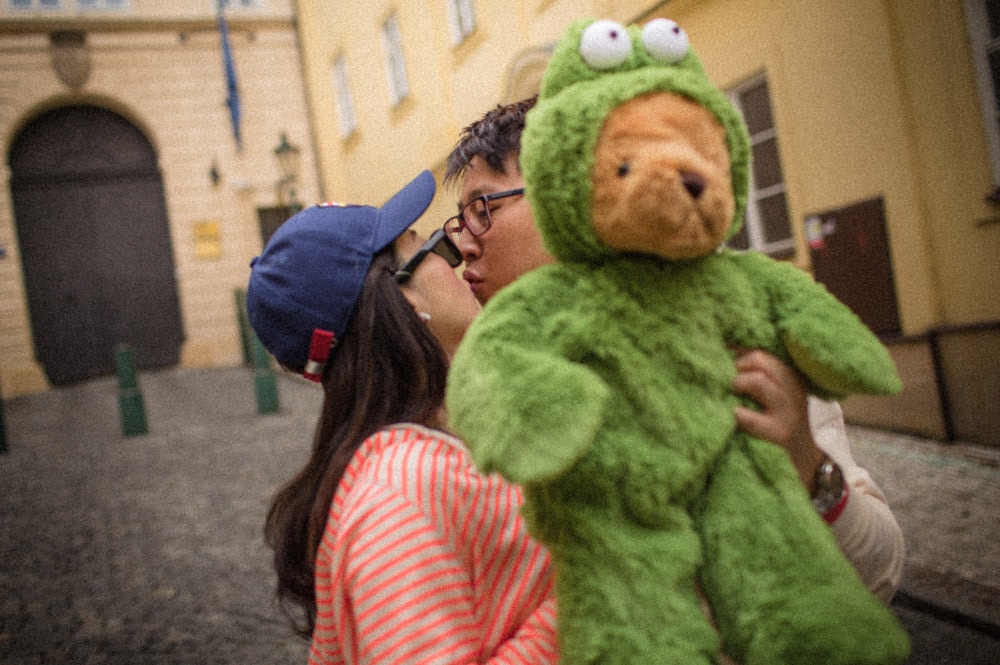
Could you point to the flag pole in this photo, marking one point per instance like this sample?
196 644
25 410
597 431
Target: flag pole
232 89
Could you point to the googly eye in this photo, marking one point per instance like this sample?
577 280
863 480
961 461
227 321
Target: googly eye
665 40
605 44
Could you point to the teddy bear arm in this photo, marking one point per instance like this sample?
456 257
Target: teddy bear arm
525 413
826 341
836 351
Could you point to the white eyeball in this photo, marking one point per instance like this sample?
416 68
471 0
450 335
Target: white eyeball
605 44
665 40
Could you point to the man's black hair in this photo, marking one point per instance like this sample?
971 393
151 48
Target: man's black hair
493 138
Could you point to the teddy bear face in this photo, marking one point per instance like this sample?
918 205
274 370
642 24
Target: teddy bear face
596 71
661 178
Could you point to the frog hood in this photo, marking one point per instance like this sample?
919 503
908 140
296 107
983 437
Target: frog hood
595 67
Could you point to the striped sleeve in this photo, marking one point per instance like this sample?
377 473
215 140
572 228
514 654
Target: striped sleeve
425 561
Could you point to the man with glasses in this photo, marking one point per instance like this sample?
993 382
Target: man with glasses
492 189
494 231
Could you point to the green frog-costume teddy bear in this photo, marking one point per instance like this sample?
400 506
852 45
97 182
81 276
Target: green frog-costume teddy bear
602 383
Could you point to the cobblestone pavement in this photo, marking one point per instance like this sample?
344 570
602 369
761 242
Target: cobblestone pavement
947 501
148 550
946 498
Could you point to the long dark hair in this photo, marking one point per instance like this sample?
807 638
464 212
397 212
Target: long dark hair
388 368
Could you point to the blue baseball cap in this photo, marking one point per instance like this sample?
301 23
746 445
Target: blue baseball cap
305 284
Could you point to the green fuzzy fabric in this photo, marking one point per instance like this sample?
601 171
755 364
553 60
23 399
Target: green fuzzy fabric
602 385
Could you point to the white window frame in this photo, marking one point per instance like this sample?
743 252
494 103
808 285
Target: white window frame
395 64
754 224
982 45
345 100
461 19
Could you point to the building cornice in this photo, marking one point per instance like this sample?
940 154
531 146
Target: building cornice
43 25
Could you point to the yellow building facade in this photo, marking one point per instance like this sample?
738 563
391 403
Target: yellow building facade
878 113
877 153
73 228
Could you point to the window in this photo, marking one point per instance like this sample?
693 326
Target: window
984 35
345 103
101 4
35 4
392 45
239 4
766 227
82 5
462 17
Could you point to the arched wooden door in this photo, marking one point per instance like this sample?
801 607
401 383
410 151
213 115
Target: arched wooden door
95 243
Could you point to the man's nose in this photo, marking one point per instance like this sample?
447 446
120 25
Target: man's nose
468 245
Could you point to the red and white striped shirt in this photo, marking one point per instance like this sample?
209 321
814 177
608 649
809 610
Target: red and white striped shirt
425 560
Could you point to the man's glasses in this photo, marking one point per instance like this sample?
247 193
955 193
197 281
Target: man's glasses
475 215
440 244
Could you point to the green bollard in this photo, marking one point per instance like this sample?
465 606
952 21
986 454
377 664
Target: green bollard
264 382
254 354
130 403
3 429
244 325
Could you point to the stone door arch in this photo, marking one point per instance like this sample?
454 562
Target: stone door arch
95 243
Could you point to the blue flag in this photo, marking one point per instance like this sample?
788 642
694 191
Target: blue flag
232 91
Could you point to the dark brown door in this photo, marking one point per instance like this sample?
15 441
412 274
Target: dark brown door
850 256
95 244
271 218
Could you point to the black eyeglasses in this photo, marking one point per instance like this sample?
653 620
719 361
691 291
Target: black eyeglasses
440 244
475 215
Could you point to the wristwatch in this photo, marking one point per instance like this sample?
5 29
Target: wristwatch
829 495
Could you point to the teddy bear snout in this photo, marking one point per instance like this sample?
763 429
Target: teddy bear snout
693 183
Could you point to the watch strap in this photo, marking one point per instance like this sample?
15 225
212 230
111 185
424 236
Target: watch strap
830 492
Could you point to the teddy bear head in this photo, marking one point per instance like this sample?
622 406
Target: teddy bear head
631 149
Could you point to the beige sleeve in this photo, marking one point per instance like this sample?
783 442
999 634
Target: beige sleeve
867 531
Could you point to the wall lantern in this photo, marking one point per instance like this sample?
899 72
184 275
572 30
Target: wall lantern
289 161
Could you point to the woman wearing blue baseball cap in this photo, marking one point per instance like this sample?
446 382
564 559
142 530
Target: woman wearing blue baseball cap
390 542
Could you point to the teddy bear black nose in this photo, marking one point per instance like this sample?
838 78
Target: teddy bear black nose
693 183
